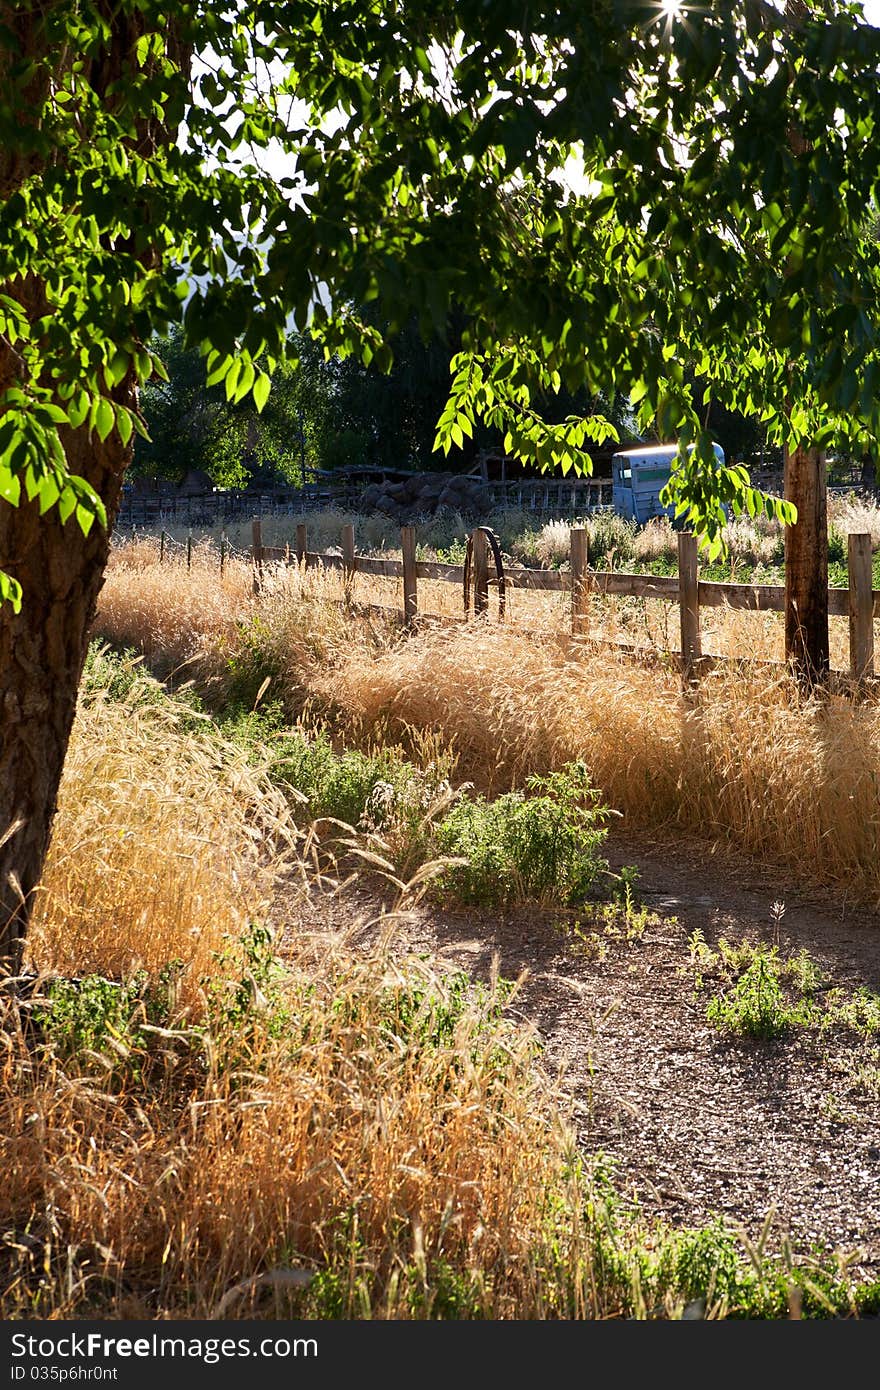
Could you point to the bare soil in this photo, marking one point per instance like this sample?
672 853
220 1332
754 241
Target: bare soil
778 1139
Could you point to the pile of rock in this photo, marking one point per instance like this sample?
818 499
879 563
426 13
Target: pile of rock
424 494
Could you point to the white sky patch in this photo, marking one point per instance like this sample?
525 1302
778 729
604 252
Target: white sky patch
277 163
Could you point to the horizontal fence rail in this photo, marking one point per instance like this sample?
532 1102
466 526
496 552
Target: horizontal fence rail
563 497
859 602
577 497
574 497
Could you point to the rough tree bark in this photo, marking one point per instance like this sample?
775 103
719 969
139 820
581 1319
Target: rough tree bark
61 571
806 566
42 650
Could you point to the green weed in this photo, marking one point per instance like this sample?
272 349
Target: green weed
540 845
115 1025
756 1006
858 1013
622 920
765 995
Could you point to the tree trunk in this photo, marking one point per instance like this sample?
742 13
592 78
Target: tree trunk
806 543
806 566
61 571
42 650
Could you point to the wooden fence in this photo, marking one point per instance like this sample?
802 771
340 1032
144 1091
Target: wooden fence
859 602
569 497
566 498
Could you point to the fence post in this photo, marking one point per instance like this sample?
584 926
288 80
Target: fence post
348 560
189 550
222 552
301 543
580 591
689 604
257 552
861 607
161 546
410 596
481 571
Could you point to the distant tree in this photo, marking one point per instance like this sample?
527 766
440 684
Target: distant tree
192 425
177 412
390 419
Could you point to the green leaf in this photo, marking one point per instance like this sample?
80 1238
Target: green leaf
245 381
105 417
124 423
115 369
79 408
262 387
10 591
219 371
10 487
52 412
232 374
66 503
48 493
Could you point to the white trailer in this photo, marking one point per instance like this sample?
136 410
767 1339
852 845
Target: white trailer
637 476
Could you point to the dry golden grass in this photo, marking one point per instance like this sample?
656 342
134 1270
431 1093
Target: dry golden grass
405 1153
159 845
751 761
400 1148
748 760
357 1152
375 532
170 614
851 513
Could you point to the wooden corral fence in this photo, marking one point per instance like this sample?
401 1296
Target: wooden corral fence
569 497
859 602
206 508
563 498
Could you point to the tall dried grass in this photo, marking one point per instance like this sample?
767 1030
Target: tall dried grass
852 513
405 1155
360 1128
357 1156
160 843
168 613
750 761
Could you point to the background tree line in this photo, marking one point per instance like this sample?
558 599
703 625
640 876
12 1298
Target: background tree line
335 413
321 413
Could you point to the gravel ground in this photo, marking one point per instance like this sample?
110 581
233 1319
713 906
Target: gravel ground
780 1139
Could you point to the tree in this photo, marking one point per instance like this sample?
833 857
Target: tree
192 425
418 149
179 412
390 419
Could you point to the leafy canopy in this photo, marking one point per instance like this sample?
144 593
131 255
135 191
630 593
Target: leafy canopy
290 159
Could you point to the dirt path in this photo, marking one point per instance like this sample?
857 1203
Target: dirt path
785 1132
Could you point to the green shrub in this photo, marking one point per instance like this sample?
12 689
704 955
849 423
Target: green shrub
519 847
757 1006
612 541
837 546
109 1022
256 661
